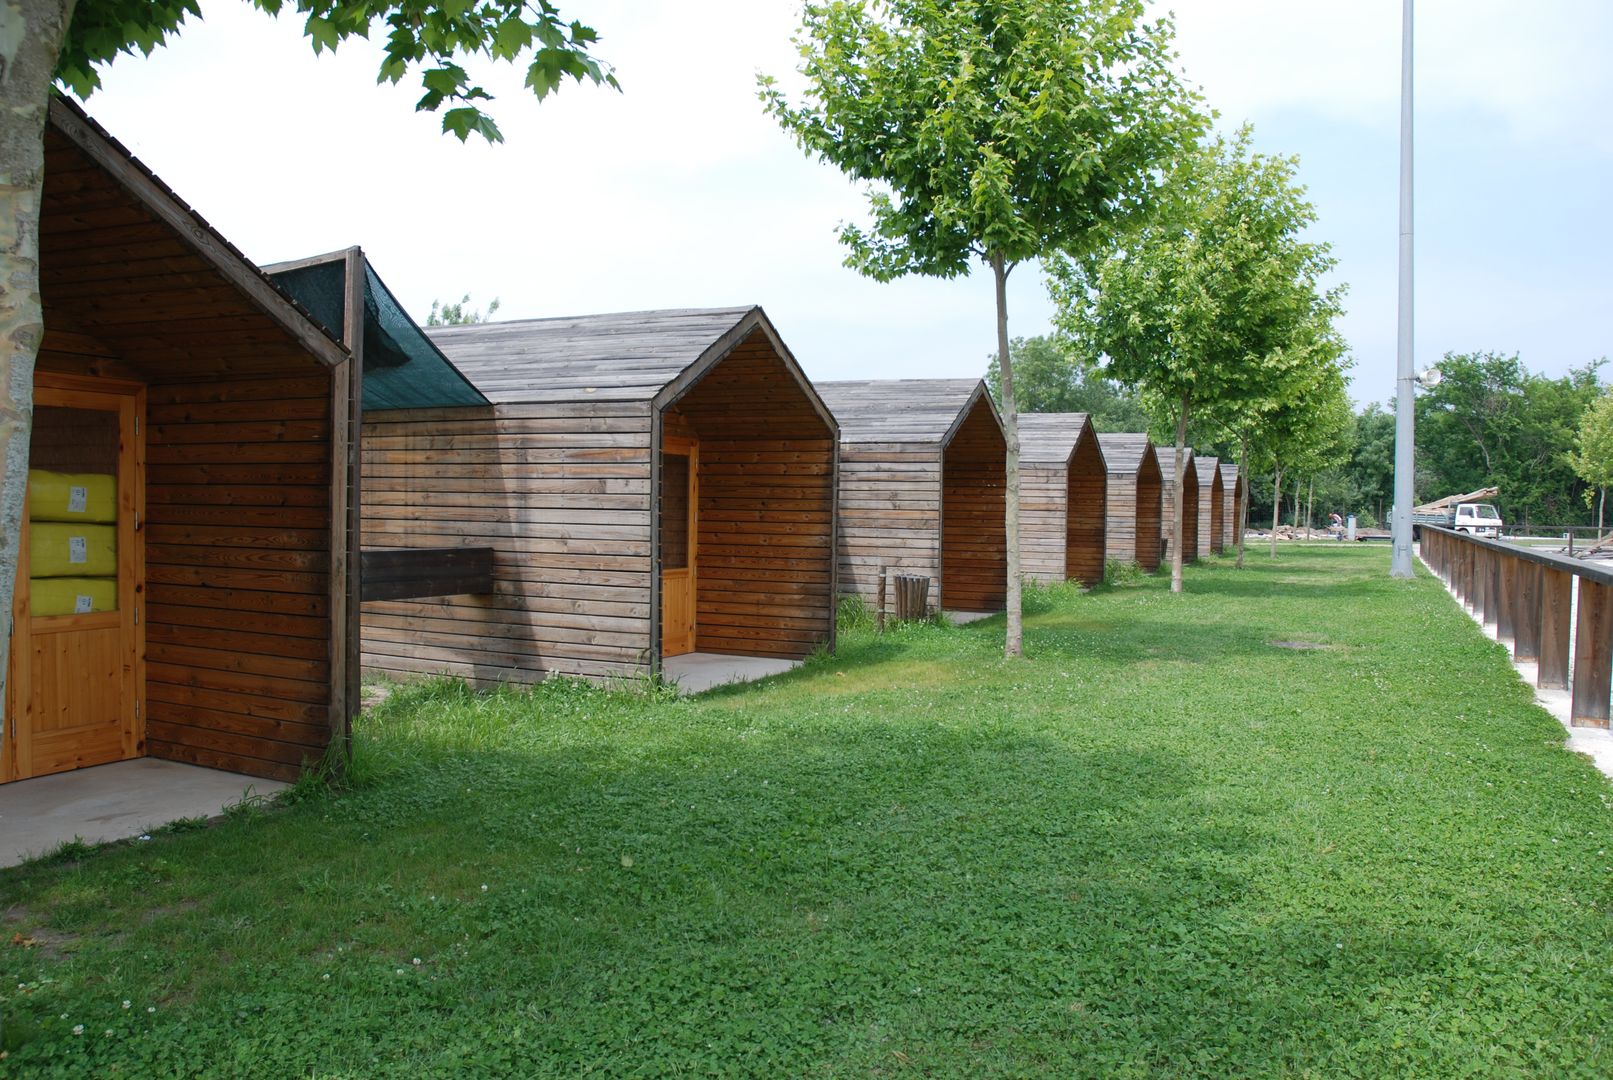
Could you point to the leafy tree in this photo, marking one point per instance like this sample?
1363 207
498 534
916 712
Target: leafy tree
1371 468
1308 426
1493 421
1049 378
460 313
1592 456
42 41
1202 305
993 130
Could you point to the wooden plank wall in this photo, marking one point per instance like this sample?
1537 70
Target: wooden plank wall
1087 488
766 548
890 514
561 493
1231 519
1043 497
974 486
1212 505
237 567
765 558
1150 513
1190 503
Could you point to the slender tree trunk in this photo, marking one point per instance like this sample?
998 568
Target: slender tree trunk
1310 507
31 35
1241 505
1177 500
1276 506
1299 486
1601 510
1014 643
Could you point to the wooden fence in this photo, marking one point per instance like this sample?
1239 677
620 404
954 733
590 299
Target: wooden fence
1529 597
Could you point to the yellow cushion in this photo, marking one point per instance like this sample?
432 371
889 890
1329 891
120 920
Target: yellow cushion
56 496
72 595
59 550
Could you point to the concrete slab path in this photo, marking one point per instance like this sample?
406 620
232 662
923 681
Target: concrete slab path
964 618
113 802
697 672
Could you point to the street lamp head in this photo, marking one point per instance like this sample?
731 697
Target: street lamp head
1429 377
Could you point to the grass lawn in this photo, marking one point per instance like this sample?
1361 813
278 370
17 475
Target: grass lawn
1168 844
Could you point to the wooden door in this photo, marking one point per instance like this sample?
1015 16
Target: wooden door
75 674
679 510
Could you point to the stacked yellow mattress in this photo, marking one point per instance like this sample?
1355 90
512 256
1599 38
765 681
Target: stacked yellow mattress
72 542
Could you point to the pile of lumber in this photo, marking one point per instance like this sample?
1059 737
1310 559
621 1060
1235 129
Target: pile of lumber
1451 500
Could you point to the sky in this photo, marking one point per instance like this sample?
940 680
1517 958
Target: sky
679 192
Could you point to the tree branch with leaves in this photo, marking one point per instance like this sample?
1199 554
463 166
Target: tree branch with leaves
992 133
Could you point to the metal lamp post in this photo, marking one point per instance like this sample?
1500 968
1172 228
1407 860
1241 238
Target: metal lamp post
1405 383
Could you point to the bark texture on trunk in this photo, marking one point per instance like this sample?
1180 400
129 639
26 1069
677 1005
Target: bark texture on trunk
31 35
1014 640
1176 507
1241 509
1276 507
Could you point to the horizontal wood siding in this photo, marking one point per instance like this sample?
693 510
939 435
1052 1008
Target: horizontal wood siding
1190 504
1150 513
1212 505
1043 499
765 557
561 493
1086 511
974 486
237 567
890 514
1232 516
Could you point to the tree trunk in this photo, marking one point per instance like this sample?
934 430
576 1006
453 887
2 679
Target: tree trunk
1240 508
1178 500
1310 507
31 35
1276 506
1299 486
1601 510
1014 642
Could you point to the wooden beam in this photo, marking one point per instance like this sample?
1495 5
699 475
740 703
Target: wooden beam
1593 655
414 573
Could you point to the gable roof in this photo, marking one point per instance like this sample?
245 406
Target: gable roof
627 356
402 369
1229 474
169 230
902 410
1124 451
1209 470
1050 438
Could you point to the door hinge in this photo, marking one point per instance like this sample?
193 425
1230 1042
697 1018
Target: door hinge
137 425
137 521
137 708
137 614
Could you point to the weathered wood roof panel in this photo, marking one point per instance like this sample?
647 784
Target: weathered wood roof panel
1049 438
1124 451
897 410
627 356
1209 468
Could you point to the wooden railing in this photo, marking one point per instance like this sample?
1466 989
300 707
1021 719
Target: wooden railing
411 573
1528 596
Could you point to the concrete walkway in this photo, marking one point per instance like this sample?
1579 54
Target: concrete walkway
697 672
113 802
1594 743
964 618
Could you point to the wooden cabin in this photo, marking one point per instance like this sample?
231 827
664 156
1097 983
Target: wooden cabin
1190 501
923 474
1212 505
183 584
1135 500
1232 523
1063 495
651 484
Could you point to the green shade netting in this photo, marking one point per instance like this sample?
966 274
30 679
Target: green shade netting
402 368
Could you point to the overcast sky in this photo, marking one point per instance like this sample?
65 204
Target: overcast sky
678 192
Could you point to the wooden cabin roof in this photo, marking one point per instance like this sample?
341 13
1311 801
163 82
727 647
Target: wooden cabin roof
1050 438
902 410
1209 468
1167 464
1124 451
628 356
127 262
1229 474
